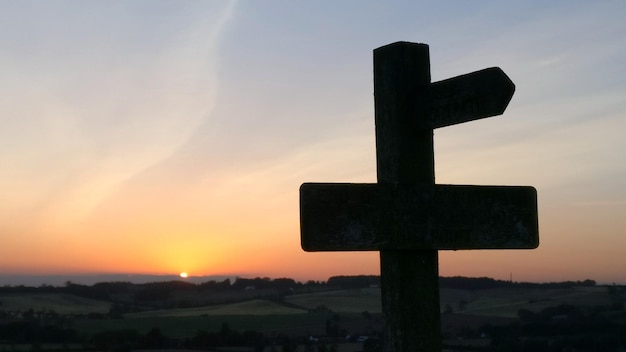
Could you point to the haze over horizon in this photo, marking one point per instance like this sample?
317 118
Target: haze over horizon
159 137
92 279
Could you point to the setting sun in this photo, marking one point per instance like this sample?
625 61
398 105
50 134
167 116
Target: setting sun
183 275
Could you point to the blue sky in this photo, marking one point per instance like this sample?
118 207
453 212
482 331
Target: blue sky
165 136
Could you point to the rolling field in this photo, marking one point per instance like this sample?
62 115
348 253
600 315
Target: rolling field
506 302
259 315
500 302
347 301
60 303
252 307
308 313
187 326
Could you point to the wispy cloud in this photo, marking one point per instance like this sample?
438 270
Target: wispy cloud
82 131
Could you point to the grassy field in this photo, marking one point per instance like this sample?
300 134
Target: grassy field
500 302
187 326
260 315
60 303
505 302
475 307
347 301
252 307
496 302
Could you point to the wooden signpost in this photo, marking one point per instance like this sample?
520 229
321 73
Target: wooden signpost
406 216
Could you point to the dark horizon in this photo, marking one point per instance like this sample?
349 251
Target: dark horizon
59 280
90 279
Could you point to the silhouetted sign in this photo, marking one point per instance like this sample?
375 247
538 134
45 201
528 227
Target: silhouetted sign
473 96
406 216
366 217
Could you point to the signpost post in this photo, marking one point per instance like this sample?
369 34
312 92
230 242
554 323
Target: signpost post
406 216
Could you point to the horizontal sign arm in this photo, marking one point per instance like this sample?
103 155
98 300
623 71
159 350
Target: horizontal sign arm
366 217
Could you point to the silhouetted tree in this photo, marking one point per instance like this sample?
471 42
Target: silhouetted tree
155 339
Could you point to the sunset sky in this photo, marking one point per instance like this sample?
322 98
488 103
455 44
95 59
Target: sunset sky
156 137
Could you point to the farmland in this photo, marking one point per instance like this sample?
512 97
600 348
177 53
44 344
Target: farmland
254 307
60 303
502 302
183 313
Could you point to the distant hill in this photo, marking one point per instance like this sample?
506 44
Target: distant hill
169 292
90 279
347 281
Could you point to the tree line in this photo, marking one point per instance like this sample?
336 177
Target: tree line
161 290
